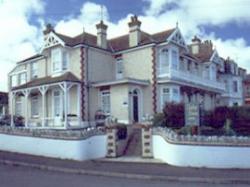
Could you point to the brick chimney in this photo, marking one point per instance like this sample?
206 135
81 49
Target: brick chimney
102 35
134 31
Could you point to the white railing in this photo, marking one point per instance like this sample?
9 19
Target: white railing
194 78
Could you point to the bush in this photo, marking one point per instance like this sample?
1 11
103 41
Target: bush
159 120
174 115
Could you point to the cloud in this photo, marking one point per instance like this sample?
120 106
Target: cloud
19 39
164 14
22 38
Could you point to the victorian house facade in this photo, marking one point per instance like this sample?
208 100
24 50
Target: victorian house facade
128 77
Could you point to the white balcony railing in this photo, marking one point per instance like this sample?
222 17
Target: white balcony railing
194 78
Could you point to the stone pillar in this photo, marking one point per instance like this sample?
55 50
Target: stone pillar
12 103
79 104
65 105
147 141
26 95
111 142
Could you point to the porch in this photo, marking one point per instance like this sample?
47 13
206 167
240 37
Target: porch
54 105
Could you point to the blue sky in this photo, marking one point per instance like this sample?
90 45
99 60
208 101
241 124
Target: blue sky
225 22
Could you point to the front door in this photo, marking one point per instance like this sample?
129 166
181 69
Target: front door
135 110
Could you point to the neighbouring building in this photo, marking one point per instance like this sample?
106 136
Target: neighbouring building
3 103
246 85
128 77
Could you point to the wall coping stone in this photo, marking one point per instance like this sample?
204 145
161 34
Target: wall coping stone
78 134
172 137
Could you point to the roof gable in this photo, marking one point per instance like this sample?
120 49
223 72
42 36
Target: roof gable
177 38
52 40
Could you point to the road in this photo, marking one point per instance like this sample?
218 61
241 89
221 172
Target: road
16 176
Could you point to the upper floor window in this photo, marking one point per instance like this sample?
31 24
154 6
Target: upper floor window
119 68
174 59
22 78
235 86
59 60
164 62
105 101
14 81
34 70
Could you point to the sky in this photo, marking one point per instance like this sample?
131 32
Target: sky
225 22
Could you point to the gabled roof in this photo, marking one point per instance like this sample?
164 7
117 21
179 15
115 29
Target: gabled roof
115 44
68 76
30 58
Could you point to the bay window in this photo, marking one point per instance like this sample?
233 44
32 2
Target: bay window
34 70
175 58
14 81
22 78
164 62
59 60
165 96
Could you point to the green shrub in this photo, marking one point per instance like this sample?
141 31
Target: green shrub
174 115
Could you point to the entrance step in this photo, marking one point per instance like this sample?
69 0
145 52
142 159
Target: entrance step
134 145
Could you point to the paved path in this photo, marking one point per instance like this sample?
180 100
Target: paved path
127 170
12 176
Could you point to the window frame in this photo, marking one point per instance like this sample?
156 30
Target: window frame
168 95
35 99
164 62
119 66
34 70
103 94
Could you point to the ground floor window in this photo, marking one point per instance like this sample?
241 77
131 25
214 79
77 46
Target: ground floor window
34 106
105 101
18 107
57 103
165 96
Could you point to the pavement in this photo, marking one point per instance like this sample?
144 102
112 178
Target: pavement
130 168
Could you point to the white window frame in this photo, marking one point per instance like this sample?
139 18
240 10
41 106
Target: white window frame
60 103
22 78
18 106
167 96
34 70
34 106
56 63
14 80
103 94
119 69
164 62
176 64
63 60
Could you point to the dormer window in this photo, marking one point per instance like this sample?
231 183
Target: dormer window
59 60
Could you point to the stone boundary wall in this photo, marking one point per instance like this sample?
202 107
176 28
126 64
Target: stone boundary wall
79 134
172 137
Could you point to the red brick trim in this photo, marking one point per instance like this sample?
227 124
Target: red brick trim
82 68
154 81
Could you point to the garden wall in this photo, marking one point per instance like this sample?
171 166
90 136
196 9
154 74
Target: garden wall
210 152
64 145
